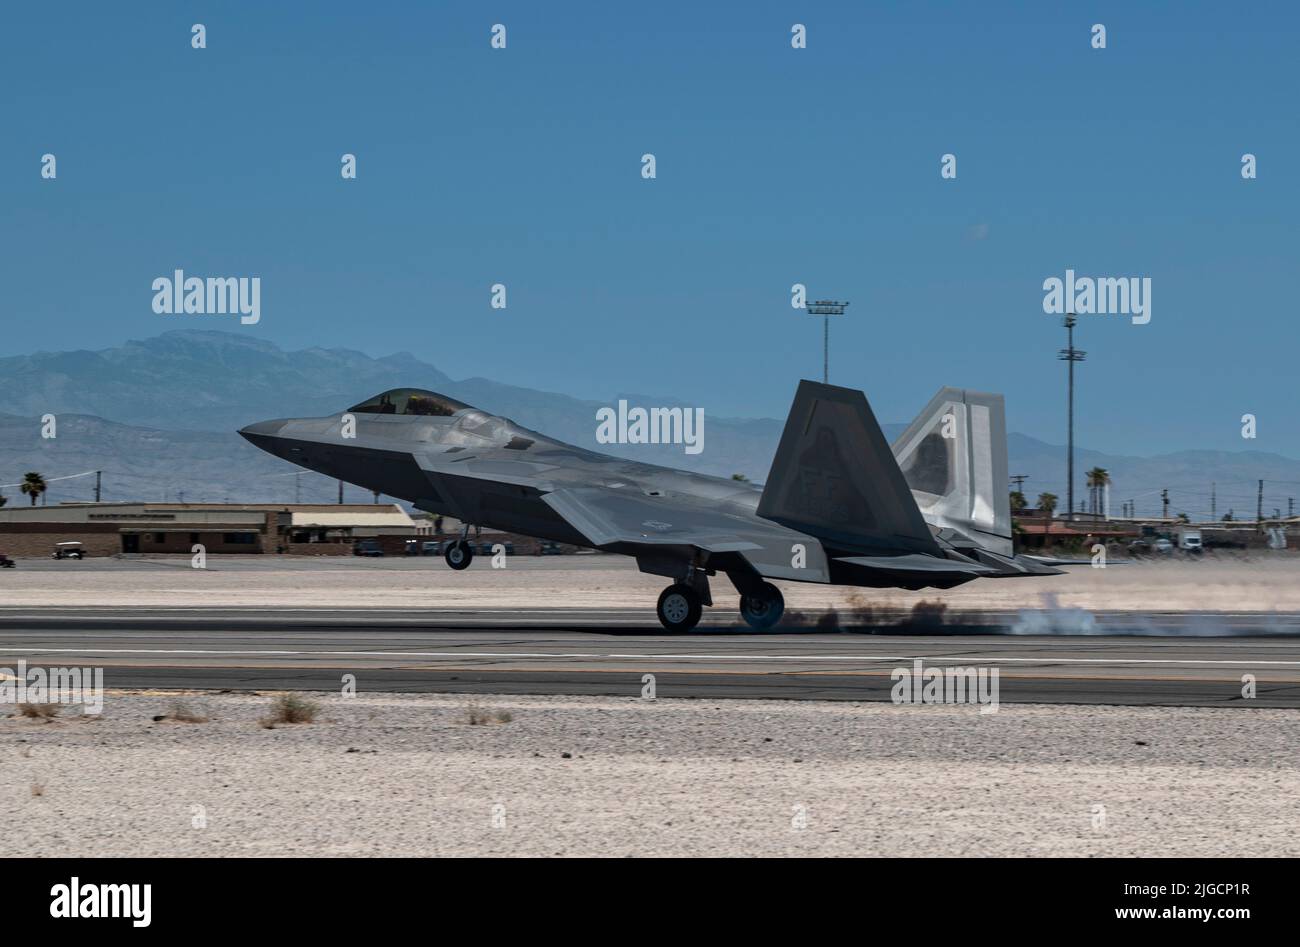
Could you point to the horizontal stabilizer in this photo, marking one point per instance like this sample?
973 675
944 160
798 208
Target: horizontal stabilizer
1010 567
917 563
1052 561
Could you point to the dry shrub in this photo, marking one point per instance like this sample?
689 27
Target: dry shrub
290 708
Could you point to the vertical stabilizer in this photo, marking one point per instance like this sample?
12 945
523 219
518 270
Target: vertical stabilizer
835 477
954 459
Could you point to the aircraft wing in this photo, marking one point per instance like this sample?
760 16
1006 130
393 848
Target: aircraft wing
629 522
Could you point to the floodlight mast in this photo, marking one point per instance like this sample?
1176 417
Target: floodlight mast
1070 355
826 308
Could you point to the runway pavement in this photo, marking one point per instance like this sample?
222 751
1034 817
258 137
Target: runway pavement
1150 659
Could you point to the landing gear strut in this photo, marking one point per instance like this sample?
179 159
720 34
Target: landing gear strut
763 607
459 555
680 607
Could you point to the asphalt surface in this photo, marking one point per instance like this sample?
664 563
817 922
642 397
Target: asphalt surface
1152 659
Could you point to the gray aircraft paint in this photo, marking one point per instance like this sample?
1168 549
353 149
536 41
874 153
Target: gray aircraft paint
923 513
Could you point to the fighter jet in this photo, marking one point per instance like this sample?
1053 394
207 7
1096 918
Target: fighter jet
839 506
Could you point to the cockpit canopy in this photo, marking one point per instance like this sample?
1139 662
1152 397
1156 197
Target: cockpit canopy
410 401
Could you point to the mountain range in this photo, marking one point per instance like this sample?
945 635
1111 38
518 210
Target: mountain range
158 416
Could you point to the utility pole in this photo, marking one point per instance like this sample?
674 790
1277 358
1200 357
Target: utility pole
1164 504
1018 485
1259 507
97 483
1290 507
1213 498
340 493
826 308
1070 355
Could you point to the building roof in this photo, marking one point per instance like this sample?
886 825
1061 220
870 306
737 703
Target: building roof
150 516
1060 529
332 518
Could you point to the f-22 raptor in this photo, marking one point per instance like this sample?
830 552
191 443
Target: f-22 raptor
840 505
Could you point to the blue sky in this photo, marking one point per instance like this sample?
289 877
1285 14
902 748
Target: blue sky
775 166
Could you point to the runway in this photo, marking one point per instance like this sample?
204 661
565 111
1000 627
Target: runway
1149 660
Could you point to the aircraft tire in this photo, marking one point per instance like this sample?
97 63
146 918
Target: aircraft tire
679 608
459 555
764 610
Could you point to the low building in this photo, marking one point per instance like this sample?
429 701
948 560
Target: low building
106 529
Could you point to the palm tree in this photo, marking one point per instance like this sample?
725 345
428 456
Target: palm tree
740 478
1047 503
1018 501
1098 479
33 485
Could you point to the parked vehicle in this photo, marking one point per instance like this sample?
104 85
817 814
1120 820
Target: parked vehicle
367 547
432 548
5 562
1154 546
549 549
1189 540
68 551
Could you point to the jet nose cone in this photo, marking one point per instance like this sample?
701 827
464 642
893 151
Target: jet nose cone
262 434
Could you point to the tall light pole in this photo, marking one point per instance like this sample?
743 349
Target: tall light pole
1070 355
826 308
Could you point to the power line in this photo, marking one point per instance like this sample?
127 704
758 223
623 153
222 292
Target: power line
53 479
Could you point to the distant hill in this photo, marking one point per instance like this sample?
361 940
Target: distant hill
158 416
145 464
201 381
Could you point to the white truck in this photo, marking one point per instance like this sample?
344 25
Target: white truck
1189 540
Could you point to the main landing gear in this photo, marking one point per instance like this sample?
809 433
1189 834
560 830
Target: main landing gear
763 608
681 605
459 555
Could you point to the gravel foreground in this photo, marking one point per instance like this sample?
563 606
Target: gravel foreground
383 774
